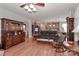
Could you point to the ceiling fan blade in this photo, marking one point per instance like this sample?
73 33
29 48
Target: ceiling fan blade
40 4
22 5
37 4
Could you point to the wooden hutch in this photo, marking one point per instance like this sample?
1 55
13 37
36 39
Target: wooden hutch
70 27
12 32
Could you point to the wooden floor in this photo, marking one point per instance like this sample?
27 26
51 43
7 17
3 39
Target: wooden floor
34 48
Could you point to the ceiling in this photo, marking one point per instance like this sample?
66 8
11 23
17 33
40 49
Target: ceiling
50 10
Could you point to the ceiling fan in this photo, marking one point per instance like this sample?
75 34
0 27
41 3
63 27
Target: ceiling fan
37 4
30 7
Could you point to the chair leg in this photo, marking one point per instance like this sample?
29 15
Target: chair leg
61 49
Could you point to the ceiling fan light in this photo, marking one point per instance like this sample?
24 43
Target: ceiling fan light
31 6
26 7
29 10
34 9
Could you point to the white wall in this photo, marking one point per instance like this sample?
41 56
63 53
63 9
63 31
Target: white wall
61 19
76 22
4 13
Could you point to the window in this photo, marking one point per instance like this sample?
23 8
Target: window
64 25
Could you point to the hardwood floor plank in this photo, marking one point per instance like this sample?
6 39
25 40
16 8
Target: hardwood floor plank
34 48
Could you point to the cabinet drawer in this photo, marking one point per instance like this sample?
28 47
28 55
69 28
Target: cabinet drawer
8 42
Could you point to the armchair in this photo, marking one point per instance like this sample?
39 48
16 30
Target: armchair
58 43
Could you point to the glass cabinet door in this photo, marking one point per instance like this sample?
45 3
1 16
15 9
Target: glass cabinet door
6 26
11 27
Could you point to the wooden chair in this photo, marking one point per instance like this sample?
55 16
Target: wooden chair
58 43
